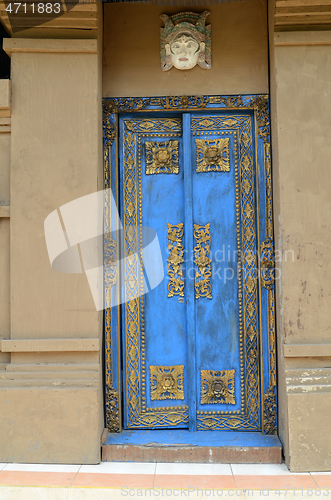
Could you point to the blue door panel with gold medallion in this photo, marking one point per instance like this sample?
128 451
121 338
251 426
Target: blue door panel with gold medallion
215 188
192 348
222 146
156 144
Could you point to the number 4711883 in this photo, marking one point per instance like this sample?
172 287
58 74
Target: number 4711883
38 8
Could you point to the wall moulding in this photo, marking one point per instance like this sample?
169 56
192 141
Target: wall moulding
5 121
49 345
4 211
5 90
291 15
308 380
12 45
307 350
302 38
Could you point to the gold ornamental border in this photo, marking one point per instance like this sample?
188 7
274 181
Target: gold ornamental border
259 104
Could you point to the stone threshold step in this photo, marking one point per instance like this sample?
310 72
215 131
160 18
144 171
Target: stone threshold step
191 447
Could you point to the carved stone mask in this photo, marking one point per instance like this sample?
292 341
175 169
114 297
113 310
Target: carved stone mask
185 41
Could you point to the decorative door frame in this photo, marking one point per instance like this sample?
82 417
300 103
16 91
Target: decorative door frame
256 340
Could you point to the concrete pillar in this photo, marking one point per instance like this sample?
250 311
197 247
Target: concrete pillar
55 413
4 215
301 126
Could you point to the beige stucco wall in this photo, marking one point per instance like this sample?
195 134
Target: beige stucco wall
303 92
50 425
4 219
54 160
301 86
132 51
52 388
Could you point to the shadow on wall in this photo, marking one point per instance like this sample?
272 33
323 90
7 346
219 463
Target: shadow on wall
4 58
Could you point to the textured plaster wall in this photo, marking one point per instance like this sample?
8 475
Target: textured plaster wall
303 79
55 153
51 395
300 90
50 425
132 51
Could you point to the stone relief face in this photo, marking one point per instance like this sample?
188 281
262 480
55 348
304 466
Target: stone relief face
185 41
184 52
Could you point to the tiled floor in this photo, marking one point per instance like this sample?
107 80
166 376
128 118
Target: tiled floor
148 480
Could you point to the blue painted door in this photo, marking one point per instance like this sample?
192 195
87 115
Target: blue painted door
190 345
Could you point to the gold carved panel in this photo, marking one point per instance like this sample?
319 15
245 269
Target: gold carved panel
162 157
175 260
202 285
167 382
213 155
217 387
109 261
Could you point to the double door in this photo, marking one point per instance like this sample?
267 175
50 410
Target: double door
191 345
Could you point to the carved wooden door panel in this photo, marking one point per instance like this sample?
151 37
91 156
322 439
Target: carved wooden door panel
226 300
191 345
156 387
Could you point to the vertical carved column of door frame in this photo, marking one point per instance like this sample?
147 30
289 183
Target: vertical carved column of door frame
190 301
267 280
111 274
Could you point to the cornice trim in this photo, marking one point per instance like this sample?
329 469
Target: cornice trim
49 345
30 45
307 350
302 38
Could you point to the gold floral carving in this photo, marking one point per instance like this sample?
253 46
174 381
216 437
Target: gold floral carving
162 157
217 387
110 261
167 382
267 280
109 129
260 104
175 260
202 283
112 413
270 411
213 155
267 263
261 108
